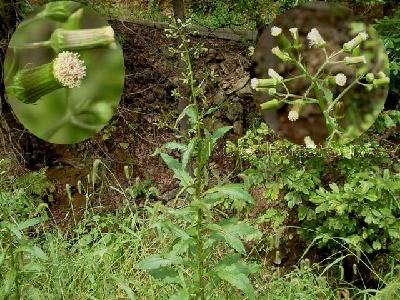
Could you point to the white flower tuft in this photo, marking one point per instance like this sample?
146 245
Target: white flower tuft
309 142
363 35
294 31
315 38
273 74
340 79
293 115
253 83
275 31
68 69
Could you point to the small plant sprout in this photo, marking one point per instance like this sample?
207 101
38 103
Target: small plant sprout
66 70
322 85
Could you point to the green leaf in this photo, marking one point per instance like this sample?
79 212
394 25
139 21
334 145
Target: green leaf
237 279
31 222
231 231
166 274
176 167
175 146
155 262
189 111
187 155
233 190
34 251
220 132
8 283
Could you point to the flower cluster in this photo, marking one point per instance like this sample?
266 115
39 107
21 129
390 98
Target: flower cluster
68 69
288 51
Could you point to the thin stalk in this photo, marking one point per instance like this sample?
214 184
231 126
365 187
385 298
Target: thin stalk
198 178
348 88
31 45
318 95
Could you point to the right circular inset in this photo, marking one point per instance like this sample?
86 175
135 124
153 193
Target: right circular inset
320 75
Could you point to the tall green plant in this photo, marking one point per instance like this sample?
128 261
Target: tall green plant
197 230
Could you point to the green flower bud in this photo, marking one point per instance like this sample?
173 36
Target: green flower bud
355 60
339 110
270 104
381 81
258 84
280 38
369 87
354 43
59 10
370 77
66 70
64 39
272 92
296 38
284 56
381 75
29 85
74 20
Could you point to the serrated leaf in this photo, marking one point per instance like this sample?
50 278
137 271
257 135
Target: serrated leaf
237 279
166 274
233 191
33 250
31 222
220 132
189 111
179 173
155 262
175 146
187 155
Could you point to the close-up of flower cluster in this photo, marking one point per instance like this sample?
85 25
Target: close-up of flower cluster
321 82
66 70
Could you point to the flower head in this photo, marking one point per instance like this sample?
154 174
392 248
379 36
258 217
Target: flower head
294 112
349 46
68 69
293 115
275 31
284 56
273 74
351 60
309 142
340 79
315 38
294 31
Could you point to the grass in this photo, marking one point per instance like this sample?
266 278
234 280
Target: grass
97 258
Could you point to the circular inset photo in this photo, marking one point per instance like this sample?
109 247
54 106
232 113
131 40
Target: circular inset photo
64 72
319 75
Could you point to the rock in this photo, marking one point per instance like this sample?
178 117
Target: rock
238 127
238 84
235 110
219 97
245 92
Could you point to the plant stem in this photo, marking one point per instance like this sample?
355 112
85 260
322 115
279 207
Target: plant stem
198 177
318 95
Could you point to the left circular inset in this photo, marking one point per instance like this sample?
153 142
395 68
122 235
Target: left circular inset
64 72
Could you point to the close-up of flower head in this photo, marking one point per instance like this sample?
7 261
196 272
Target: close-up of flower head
68 69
